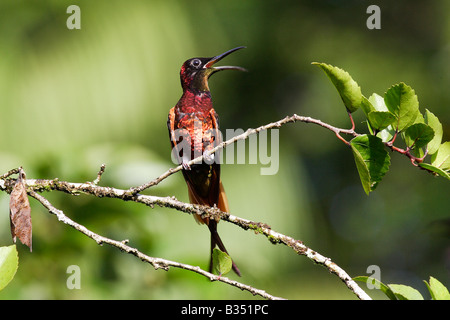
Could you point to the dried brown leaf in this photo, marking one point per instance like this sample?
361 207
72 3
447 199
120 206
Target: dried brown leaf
20 212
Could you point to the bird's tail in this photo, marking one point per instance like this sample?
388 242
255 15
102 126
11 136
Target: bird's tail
215 240
222 204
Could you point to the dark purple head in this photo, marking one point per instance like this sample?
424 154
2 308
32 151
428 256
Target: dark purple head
195 72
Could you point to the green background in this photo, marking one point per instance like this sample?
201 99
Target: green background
71 100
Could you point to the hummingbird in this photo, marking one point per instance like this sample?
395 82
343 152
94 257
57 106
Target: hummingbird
193 130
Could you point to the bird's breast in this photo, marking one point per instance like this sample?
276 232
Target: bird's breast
193 121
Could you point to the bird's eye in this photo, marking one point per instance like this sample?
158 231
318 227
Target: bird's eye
196 63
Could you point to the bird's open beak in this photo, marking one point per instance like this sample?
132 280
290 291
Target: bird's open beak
213 60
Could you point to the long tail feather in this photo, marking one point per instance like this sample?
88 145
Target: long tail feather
215 240
222 204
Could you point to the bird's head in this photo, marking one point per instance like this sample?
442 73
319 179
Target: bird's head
195 72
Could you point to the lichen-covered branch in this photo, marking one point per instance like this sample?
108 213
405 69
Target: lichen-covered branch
157 263
34 186
40 185
243 136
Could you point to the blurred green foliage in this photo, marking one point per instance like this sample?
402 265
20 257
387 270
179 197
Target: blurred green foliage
74 99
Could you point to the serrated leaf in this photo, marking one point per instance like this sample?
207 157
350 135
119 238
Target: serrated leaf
441 158
377 102
9 262
381 119
372 160
440 172
418 135
380 285
386 134
363 171
403 292
221 262
366 106
437 290
419 118
436 125
20 212
348 89
402 101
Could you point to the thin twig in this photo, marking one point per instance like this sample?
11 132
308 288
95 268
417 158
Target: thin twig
99 174
10 173
299 248
243 136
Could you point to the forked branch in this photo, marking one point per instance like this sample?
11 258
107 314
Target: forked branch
133 194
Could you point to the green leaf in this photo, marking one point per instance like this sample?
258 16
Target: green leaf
402 101
221 262
403 292
363 171
348 89
379 116
418 135
367 106
386 134
440 172
378 284
372 160
437 290
9 262
377 102
381 119
441 159
436 125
